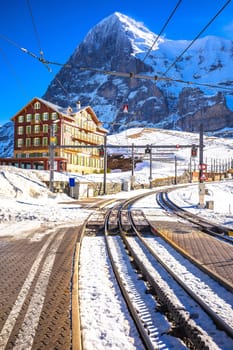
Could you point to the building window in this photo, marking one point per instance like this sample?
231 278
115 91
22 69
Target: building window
36 141
28 117
28 142
28 129
20 118
45 141
54 115
37 105
46 116
37 117
55 127
37 129
20 142
45 128
20 130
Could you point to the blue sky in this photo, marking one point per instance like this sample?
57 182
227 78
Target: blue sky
62 25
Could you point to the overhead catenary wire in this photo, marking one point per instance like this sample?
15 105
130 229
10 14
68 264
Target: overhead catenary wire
121 74
162 30
37 37
12 70
24 50
35 29
47 63
41 58
198 35
156 78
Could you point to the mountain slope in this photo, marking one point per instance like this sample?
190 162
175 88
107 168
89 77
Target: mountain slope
120 44
6 140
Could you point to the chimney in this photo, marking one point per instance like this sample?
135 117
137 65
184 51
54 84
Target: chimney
78 104
69 110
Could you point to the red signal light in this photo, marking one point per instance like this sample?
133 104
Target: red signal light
101 151
193 151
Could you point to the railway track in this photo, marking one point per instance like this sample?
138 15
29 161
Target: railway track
212 241
220 231
38 287
188 321
46 276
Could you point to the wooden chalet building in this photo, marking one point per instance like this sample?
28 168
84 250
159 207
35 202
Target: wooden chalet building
41 123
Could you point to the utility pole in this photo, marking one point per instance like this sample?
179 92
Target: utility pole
175 170
105 164
201 173
51 157
150 178
132 173
190 169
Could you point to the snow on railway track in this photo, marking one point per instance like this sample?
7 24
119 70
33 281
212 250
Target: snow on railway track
105 320
217 299
182 301
105 306
209 291
157 326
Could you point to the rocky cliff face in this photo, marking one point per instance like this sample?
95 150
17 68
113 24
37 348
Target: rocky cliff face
119 45
195 108
7 140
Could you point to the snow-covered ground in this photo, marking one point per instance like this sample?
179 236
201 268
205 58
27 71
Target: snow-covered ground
221 194
27 204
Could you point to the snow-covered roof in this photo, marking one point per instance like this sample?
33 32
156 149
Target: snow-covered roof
66 111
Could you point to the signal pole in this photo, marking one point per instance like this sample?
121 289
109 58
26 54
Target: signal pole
105 165
175 170
150 178
201 173
133 165
51 157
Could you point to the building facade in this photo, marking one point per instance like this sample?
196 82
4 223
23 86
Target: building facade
76 135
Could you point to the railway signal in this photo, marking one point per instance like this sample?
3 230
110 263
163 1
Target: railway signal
194 151
101 151
147 150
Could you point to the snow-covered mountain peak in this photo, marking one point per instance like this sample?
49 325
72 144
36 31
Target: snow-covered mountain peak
212 42
124 28
119 43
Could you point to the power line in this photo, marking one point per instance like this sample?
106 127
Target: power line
34 27
131 75
161 31
155 78
198 35
11 68
41 58
30 53
3 37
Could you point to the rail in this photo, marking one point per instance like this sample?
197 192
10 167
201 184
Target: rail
120 222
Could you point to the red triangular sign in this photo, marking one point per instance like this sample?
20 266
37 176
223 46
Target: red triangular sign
125 109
